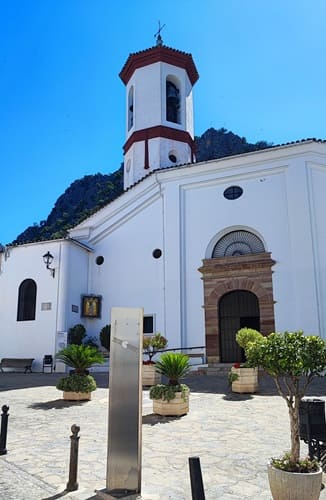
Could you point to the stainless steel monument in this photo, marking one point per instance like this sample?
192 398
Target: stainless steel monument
125 404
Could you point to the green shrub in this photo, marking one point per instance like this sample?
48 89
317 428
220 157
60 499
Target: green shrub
76 334
168 392
76 383
232 377
105 335
91 341
247 335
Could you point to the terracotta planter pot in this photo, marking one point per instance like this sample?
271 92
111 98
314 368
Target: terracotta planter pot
293 485
247 380
173 408
77 396
150 375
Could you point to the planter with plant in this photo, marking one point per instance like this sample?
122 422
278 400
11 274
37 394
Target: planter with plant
171 399
293 360
150 347
79 384
242 378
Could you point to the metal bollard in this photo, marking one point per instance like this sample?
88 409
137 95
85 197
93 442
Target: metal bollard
196 480
4 427
72 484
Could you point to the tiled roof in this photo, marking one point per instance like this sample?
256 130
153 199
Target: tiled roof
155 54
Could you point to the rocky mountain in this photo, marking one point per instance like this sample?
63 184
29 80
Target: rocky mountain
87 195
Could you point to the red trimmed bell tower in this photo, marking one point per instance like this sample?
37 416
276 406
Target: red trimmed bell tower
159 118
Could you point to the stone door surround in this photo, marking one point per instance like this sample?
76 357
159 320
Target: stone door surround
252 272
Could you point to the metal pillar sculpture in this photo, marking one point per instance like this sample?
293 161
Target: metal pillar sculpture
125 404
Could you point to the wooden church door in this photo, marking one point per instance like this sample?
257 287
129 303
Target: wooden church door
237 309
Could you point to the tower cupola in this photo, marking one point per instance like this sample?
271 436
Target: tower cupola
159 114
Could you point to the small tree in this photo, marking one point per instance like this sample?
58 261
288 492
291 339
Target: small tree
153 344
76 334
245 336
105 335
293 360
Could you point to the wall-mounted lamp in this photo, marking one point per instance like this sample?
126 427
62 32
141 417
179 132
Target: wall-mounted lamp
47 259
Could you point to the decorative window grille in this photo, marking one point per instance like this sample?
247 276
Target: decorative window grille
238 243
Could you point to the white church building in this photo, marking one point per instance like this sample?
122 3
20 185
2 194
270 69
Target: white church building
204 248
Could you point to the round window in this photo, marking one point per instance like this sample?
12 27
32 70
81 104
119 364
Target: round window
172 158
233 192
157 253
99 260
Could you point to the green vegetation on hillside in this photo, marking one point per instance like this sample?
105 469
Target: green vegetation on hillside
87 195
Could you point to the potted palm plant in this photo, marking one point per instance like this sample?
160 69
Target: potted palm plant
242 378
78 385
293 360
172 398
150 347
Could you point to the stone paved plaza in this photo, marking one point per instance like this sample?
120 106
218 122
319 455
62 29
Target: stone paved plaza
234 436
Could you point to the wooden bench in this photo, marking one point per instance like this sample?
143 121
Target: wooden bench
24 363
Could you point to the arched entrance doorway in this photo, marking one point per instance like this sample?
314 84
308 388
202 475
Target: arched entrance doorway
238 262
237 309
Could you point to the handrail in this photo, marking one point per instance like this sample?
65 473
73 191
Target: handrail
183 348
177 349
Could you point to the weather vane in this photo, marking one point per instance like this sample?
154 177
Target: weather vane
159 40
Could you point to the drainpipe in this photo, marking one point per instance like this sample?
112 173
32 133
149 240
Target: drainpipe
62 296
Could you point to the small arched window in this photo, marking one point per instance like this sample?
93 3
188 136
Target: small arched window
26 300
130 108
172 102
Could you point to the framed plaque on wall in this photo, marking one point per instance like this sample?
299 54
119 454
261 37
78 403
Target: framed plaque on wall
91 306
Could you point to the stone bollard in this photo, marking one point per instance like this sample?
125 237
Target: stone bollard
4 427
196 480
72 484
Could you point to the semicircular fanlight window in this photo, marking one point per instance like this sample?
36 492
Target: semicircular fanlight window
238 243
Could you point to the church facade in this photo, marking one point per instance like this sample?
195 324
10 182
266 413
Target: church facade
204 248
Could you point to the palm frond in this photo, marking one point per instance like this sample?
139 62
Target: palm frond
80 357
173 365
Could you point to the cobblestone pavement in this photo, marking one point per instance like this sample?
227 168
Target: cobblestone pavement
234 436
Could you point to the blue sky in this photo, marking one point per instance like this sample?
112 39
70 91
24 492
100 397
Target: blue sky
262 75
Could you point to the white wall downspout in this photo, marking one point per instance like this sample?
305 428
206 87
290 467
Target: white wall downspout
62 291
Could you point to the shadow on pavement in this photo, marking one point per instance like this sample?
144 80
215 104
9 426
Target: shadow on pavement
56 404
213 384
153 419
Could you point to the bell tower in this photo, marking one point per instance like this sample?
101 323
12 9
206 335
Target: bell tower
159 114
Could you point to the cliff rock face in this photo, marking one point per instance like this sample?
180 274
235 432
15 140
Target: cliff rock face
87 195
220 143
82 198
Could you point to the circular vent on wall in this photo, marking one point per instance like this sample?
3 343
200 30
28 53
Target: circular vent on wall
233 192
238 243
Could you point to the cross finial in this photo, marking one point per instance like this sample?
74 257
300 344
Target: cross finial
159 40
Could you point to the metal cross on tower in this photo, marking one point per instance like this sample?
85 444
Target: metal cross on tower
159 40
